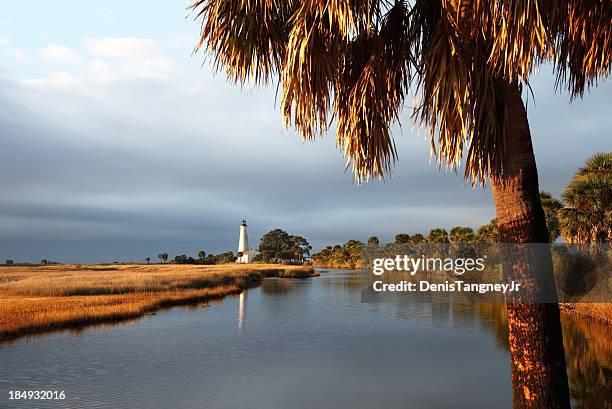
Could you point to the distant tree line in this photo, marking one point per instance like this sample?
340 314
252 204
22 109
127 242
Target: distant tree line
276 246
202 258
584 216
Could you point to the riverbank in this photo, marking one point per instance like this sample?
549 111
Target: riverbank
45 298
340 265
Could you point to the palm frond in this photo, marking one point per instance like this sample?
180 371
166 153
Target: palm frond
583 49
370 92
355 60
246 37
462 101
445 92
587 213
519 33
310 69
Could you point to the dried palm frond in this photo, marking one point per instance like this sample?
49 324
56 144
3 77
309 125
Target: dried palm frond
489 121
247 37
445 92
346 16
519 33
355 59
583 49
371 88
309 72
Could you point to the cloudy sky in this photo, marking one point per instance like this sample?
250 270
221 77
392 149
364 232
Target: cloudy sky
116 144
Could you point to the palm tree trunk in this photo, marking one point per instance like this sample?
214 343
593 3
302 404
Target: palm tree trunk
539 378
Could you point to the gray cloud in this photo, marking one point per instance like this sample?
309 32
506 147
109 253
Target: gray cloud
136 166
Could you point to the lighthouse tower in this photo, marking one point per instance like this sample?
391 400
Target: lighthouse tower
243 244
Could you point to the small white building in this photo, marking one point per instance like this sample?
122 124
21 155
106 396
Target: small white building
245 254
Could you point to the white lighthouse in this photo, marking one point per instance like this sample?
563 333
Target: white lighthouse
244 253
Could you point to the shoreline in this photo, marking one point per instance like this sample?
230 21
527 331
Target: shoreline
325 267
35 310
86 295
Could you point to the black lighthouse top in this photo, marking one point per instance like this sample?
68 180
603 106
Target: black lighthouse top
243 223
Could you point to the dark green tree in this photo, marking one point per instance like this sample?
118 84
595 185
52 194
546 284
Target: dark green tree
300 247
402 238
278 245
224 258
460 234
184 259
438 236
275 245
417 238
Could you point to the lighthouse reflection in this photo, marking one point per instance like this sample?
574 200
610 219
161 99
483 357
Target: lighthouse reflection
242 311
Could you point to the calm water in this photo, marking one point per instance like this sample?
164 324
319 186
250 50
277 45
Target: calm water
287 344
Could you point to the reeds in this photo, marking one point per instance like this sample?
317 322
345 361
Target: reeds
36 299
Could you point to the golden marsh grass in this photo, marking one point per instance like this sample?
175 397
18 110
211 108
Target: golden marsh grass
37 299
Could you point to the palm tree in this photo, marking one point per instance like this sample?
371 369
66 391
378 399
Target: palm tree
586 215
488 233
356 62
551 208
373 241
147 260
437 236
402 238
417 238
460 234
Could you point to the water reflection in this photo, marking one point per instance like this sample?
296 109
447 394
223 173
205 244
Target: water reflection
276 286
242 310
303 336
588 351
588 344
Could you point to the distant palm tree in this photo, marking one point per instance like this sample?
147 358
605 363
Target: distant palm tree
459 234
586 216
147 260
402 238
437 236
417 238
488 233
551 208
356 62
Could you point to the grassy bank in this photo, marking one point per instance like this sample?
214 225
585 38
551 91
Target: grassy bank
44 298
